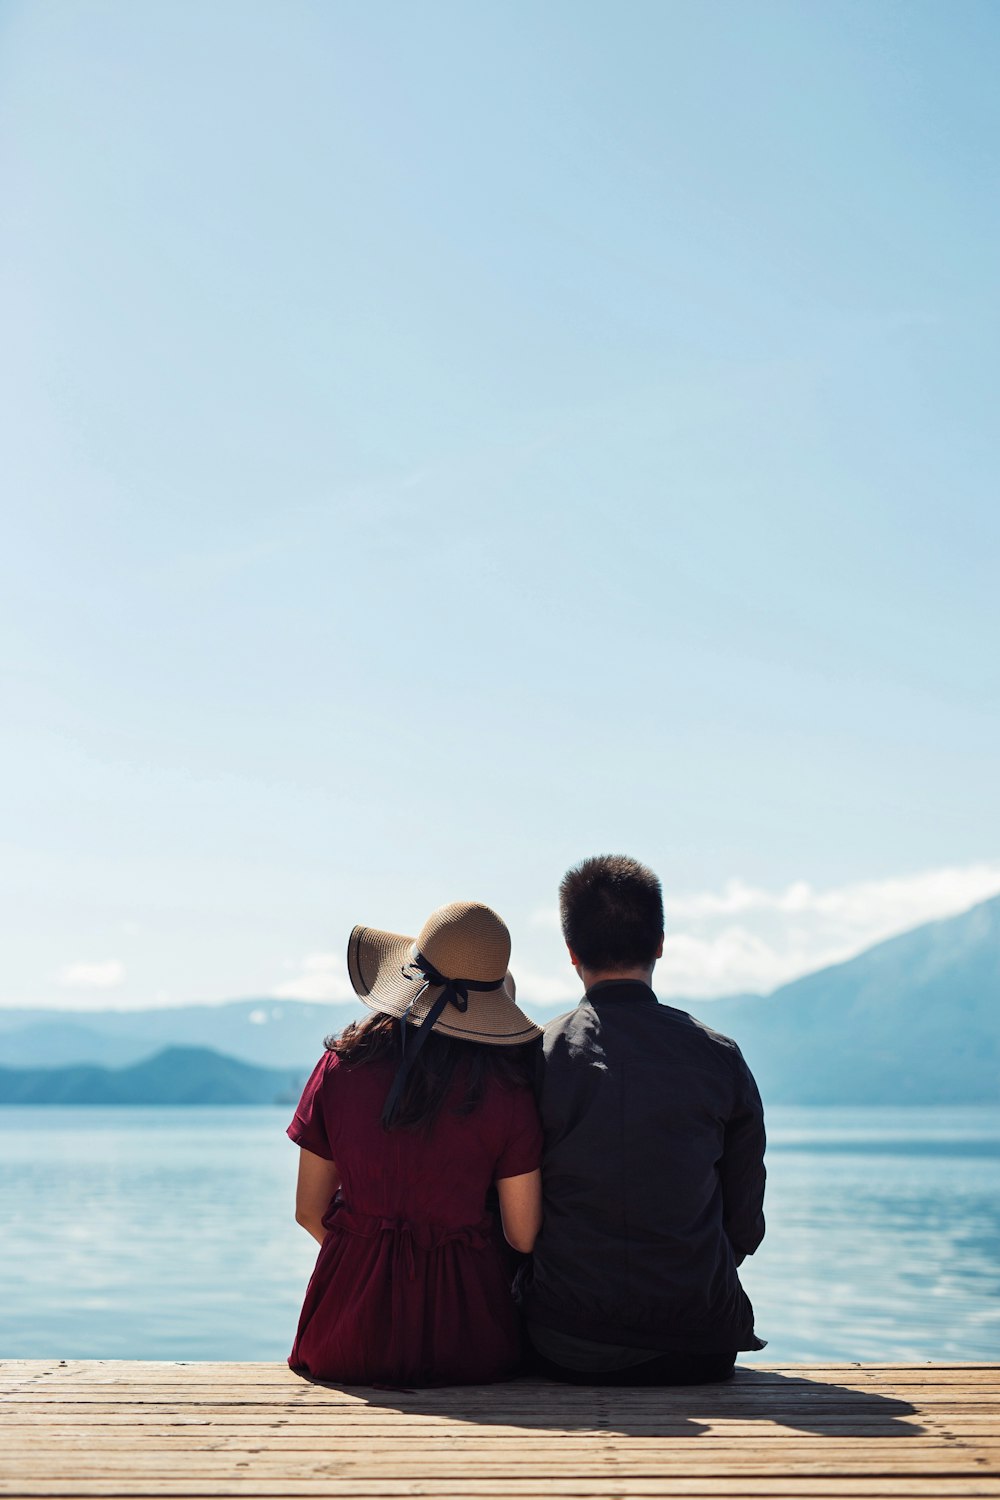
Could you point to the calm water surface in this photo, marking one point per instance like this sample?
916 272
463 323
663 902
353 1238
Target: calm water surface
168 1234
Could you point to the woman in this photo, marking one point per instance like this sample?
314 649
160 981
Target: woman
408 1121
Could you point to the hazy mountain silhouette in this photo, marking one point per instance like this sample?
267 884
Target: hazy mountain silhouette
178 1075
914 1020
269 1033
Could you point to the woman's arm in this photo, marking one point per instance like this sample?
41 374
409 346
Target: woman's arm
521 1209
318 1180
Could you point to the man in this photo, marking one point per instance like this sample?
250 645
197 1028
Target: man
653 1172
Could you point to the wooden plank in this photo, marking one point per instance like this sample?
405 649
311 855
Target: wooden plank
667 1426
414 1430
784 1451
252 1366
281 1376
113 1430
294 1387
265 1455
533 1467
721 1431
558 1396
554 1398
933 1487
12 1377
337 1436
743 1441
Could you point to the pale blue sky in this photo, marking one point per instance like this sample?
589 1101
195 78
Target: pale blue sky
444 440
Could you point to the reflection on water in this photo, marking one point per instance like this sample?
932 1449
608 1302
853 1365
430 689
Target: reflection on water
883 1235
168 1234
149 1233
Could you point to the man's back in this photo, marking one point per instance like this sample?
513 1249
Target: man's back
653 1178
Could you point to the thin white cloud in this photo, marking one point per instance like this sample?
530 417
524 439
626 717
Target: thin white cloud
106 974
897 902
735 961
536 988
735 939
745 937
321 976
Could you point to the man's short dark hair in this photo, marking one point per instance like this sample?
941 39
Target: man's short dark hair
611 908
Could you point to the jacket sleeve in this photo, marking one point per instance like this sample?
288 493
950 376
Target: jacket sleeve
742 1167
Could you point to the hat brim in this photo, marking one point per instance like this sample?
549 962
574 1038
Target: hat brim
382 973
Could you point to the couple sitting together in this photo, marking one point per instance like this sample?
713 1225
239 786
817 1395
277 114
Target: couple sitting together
623 1155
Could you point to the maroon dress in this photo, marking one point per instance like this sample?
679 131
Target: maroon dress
411 1285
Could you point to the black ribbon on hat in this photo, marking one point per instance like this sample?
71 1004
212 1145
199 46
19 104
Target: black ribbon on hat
454 992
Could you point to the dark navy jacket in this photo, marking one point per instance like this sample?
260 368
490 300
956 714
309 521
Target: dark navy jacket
653 1178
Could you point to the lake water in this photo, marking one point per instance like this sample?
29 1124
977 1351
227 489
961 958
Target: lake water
168 1234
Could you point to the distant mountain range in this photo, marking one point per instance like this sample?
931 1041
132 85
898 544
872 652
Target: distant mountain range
914 1020
268 1033
177 1075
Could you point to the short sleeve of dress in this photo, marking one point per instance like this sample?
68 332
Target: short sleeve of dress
309 1126
522 1150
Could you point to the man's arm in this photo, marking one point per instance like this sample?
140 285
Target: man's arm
742 1168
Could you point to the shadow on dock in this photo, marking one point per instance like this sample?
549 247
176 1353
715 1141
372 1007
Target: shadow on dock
753 1395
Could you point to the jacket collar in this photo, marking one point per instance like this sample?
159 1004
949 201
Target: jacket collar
620 991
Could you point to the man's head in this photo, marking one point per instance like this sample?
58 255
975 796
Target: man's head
611 909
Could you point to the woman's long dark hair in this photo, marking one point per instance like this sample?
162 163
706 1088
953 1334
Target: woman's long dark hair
442 1062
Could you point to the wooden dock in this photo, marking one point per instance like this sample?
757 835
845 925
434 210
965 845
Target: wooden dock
108 1428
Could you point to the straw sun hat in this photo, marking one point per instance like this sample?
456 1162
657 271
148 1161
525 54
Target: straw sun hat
453 975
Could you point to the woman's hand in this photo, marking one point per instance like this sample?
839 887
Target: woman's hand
318 1180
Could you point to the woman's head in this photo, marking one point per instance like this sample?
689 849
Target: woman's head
443 1064
453 973
448 984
